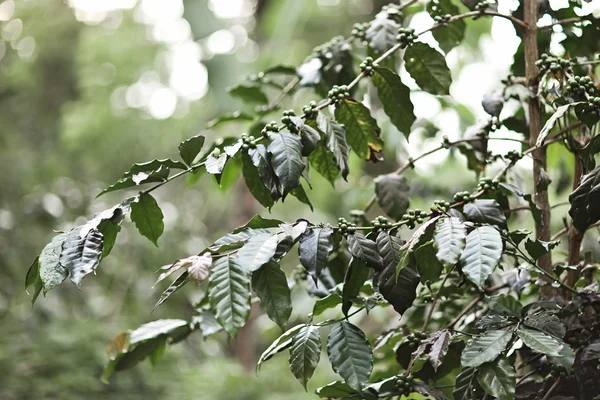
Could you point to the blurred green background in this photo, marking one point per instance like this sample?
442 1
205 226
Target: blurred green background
88 87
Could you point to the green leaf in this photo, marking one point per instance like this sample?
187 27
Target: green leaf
559 113
51 272
506 305
270 284
33 279
302 197
336 142
537 248
498 379
364 250
449 240
280 69
518 235
362 132
180 282
392 193
482 253
236 116
588 152
234 240
395 97
189 149
286 158
584 200
305 353
388 247
323 161
148 217
539 341
328 302
280 344
315 245
260 159
536 212
439 349
129 348
399 290
546 322
565 359
258 222
309 136
350 354
257 251
248 93
485 348
428 68
466 385
336 390
208 324
428 265
485 211
449 35
355 278
254 182
81 253
229 294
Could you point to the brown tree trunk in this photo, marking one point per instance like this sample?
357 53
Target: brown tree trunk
535 125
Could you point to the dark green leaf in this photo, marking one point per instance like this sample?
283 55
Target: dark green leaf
270 284
350 354
315 245
539 341
485 348
336 142
248 93
428 67
280 344
560 111
33 279
449 239
51 272
355 278
537 248
331 301
395 97
591 352
254 182
257 251
392 192
302 197
81 252
309 136
485 211
399 289
286 160
481 254
229 294
235 116
428 265
518 235
234 240
260 159
258 222
323 161
449 35
546 322
584 201
565 359
362 132
305 353
364 250
498 378
466 384
506 305
388 247
189 149
336 390
180 282
536 212
148 217
588 152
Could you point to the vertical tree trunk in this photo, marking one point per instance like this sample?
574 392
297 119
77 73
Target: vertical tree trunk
535 126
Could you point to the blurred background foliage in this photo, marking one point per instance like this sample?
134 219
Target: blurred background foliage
87 88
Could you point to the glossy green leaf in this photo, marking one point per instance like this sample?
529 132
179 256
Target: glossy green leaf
485 348
428 265
270 284
326 303
300 194
350 354
482 253
81 253
280 344
565 358
551 122
498 378
395 97
392 193
257 251
506 305
323 161
51 272
428 68
584 200
305 353
336 142
313 249
355 278
229 294
33 279
189 149
362 132
449 239
537 248
365 250
286 159
254 182
449 35
260 159
399 290
485 211
148 217
466 385
539 341
336 390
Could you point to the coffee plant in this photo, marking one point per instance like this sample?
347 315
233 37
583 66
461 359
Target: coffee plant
482 310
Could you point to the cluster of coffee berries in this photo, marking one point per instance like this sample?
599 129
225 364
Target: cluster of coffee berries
393 12
310 110
414 339
270 127
248 142
345 227
406 37
287 120
413 217
440 206
464 196
368 66
338 93
552 64
325 50
513 156
404 384
442 19
482 5
488 184
381 223
592 107
359 31
581 87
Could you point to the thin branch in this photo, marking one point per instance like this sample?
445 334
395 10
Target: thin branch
549 392
465 310
435 298
284 92
565 21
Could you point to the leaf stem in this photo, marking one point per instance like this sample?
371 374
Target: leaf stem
435 298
